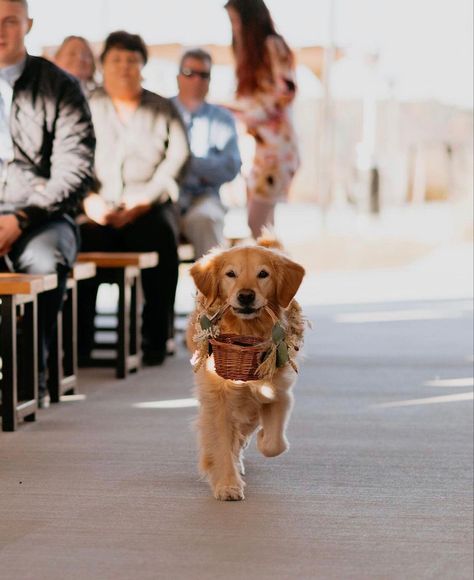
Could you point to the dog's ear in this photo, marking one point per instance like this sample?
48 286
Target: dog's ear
290 276
204 276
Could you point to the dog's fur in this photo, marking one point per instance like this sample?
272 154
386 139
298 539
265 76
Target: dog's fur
231 411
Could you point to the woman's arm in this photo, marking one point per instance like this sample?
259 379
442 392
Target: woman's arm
283 71
268 104
163 184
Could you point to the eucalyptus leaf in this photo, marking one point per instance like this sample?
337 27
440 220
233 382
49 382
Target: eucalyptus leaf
278 334
205 322
282 355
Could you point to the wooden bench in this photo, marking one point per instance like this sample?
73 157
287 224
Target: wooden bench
124 270
186 252
19 345
62 361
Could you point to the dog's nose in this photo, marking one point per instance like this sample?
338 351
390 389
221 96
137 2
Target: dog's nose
246 297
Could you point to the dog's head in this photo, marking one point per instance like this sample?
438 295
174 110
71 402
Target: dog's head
248 278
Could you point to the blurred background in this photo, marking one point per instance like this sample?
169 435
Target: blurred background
384 114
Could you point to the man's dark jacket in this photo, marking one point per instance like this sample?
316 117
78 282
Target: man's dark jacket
53 141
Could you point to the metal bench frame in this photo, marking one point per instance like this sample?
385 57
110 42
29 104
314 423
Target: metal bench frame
123 269
19 346
62 361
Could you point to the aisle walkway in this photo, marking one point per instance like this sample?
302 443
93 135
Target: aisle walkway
378 480
106 488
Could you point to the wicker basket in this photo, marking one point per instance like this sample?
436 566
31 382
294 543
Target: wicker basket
237 357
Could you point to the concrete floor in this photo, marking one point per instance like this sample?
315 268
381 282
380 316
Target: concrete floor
377 483
102 489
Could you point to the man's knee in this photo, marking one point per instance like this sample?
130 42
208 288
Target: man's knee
36 260
52 251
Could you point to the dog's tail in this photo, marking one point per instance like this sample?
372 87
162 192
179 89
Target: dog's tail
268 239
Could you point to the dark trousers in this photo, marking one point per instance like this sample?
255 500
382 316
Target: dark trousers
155 231
50 248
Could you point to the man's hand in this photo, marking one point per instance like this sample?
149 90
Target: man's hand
9 232
121 217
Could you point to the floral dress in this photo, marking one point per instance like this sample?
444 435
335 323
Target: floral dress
267 116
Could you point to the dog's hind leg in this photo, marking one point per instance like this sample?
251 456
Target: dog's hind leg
245 434
271 439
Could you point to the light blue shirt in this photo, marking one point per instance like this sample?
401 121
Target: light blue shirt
215 157
8 77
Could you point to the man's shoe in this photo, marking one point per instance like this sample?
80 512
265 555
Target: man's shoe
153 358
84 359
43 401
170 347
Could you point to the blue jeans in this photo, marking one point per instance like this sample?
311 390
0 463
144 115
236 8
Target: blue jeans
50 248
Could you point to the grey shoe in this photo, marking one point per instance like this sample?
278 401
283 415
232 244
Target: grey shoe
43 401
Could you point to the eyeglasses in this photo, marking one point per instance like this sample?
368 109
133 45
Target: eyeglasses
190 72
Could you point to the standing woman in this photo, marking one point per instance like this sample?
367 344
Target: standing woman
265 89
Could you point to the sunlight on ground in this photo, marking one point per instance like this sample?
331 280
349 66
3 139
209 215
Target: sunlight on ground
396 316
171 404
72 398
451 383
428 401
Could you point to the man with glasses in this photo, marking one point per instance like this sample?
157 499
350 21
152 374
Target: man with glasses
215 157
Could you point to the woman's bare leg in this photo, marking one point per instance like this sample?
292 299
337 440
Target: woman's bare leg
260 214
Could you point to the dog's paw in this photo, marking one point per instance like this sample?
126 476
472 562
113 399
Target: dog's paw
271 447
229 492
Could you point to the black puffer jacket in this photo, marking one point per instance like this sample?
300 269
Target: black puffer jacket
54 144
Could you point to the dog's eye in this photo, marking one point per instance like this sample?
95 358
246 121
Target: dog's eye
263 274
231 274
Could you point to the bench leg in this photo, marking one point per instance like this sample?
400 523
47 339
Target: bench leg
62 360
19 365
123 328
29 362
9 363
69 379
55 361
135 319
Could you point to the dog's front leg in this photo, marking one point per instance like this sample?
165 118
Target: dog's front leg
271 439
217 438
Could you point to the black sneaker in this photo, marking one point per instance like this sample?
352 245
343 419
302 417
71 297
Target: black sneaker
153 358
84 358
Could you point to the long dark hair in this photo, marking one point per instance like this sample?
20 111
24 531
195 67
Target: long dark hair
253 63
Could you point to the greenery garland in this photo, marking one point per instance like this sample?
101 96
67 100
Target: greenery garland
286 340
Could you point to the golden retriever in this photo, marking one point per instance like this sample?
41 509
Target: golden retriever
249 280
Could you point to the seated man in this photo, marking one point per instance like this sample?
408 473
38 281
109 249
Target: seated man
46 166
141 150
215 157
